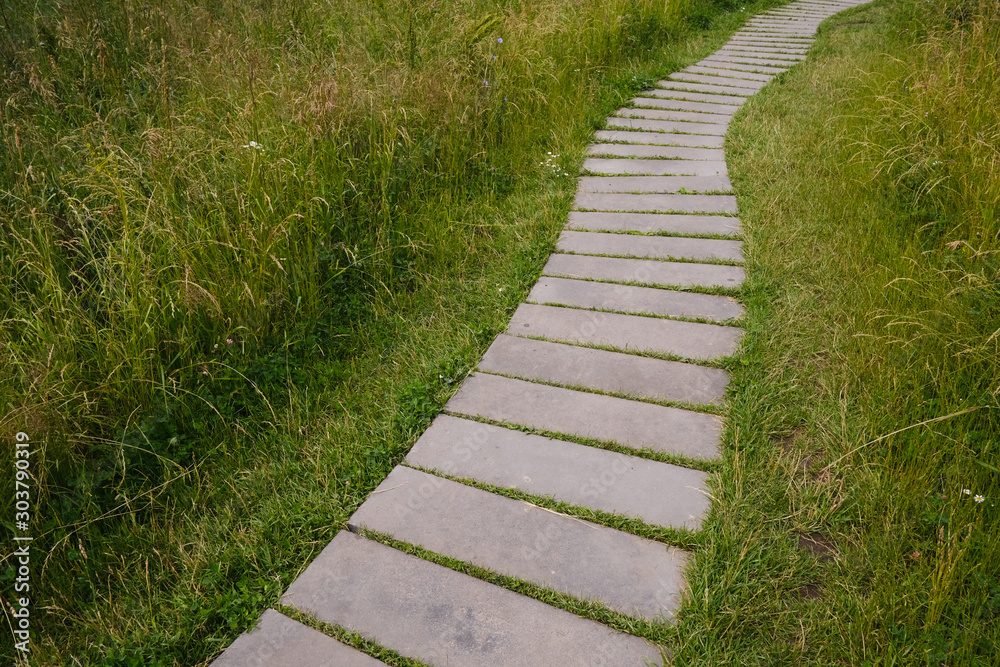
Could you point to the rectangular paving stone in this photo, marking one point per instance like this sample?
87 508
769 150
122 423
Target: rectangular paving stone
643 271
633 575
443 617
279 640
600 221
572 366
749 61
743 67
769 55
779 31
783 44
633 299
684 105
654 167
800 26
672 114
698 69
665 203
752 48
628 333
653 125
660 138
577 413
731 100
654 184
650 247
751 86
658 493
645 151
715 89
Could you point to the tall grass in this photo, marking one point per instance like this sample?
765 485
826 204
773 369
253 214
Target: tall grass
186 188
856 519
217 218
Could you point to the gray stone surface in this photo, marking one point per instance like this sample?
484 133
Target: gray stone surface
279 640
582 414
660 138
633 299
600 221
629 333
654 184
657 493
740 60
602 201
742 67
654 167
635 576
785 45
614 372
715 89
675 115
698 69
731 100
643 151
652 125
760 53
644 271
751 86
650 247
685 105
762 49
427 611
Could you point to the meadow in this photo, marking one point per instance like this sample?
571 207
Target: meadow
857 521
248 251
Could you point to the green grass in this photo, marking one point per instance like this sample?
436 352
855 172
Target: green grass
360 255
867 398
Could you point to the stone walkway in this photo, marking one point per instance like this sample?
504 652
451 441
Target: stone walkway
608 347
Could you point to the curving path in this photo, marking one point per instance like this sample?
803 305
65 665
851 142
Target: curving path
615 345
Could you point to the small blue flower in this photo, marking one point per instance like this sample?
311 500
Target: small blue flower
499 40
486 83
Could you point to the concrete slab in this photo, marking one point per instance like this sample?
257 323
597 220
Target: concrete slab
715 89
633 575
614 372
443 617
656 493
647 223
656 203
731 100
742 67
628 333
760 54
279 640
674 115
751 48
684 105
650 247
751 86
654 184
643 271
684 127
789 43
660 138
633 299
751 76
764 62
654 167
645 151
582 414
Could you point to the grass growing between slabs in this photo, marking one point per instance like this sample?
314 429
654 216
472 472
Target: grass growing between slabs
856 514
243 265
